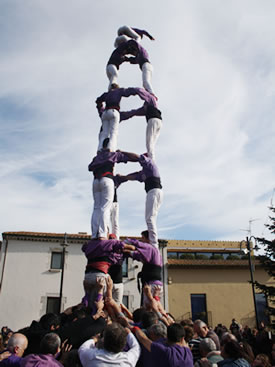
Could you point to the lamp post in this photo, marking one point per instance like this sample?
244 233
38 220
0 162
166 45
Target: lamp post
64 244
249 249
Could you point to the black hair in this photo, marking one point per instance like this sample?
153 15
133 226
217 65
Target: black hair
50 344
145 234
233 350
48 320
175 333
114 338
149 318
137 314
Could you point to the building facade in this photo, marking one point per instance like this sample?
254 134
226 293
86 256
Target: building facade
209 280
30 276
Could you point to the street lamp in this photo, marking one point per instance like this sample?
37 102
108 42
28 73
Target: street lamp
249 249
64 244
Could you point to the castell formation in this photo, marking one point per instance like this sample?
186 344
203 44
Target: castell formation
105 252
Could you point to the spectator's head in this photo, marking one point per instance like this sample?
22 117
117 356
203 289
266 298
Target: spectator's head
17 344
189 333
175 333
145 236
233 350
201 328
149 318
157 331
227 337
207 345
50 321
50 344
261 360
114 338
187 322
138 313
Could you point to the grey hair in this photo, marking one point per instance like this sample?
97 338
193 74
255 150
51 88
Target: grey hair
16 340
159 329
207 345
199 323
228 337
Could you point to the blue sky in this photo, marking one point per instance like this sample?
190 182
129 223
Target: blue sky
214 77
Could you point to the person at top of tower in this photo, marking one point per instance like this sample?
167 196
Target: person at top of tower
140 56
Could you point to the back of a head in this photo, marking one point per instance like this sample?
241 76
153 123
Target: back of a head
17 340
145 234
114 338
175 333
207 345
149 318
137 314
50 321
158 330
50 344
227 337
233 350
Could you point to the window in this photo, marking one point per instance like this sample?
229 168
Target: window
52 305
198 307
125 268
125 301
56 260
172 255
261 304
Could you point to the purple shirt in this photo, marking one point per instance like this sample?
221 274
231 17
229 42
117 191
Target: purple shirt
113 97
33 360
166 355
118 55
100 248
150 169
103 157
12 360
142 55
145 252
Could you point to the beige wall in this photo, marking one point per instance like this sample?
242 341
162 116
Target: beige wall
228 293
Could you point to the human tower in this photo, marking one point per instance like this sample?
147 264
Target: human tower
105 252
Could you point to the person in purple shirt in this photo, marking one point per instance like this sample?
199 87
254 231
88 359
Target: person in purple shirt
110 116
153 118
17 345
100 254
103 188
151 178
152 265
125 33
174 353
140 57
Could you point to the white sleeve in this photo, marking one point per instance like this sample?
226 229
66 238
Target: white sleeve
87 352
134 351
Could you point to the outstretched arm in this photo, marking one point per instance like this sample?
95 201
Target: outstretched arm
125 115
132 157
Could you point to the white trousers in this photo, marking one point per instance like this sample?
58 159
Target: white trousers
112 74
153 202
152 133
114 219
103 192
147 70
125 33
90 286
110 122
117 292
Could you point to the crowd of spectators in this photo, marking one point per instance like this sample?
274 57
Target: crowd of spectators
79 337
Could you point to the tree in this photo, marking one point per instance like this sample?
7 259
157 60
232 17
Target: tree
268 262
